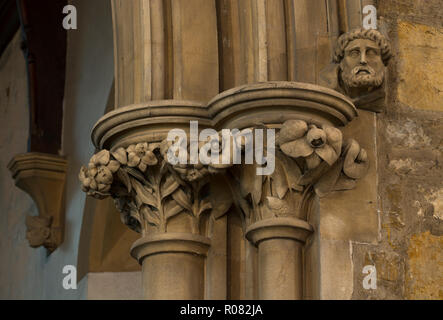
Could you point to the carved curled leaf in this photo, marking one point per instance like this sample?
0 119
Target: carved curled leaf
356 164
328 181
312 176
138 175
280 184
169 186
251 183
244 206
204 206
279 207
143 194
172 208
182 199
176 177
129 215
221 199
344 183
124 178
151 216
292 171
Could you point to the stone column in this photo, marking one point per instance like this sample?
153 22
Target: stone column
310 157
165 56
280 242
173 265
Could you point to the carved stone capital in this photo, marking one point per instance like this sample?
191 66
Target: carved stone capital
43 177
155 196
150 192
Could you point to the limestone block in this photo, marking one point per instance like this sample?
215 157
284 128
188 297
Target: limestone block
425 276
421 57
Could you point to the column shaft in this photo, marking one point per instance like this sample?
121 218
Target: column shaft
280 269
173 265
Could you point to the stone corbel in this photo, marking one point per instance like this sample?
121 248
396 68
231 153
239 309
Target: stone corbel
43 177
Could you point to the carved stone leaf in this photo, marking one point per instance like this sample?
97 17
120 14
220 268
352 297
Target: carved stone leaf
279 207
251 183
124 178
172 208
204 206
169 186
328 181
312 176
344 183
352 168
280 184
143 194
292 171
182 199
138 175
151 216
244 206
220 198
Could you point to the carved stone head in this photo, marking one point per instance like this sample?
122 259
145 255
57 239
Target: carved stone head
359 63
362 56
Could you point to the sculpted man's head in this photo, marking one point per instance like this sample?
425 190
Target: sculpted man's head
362 56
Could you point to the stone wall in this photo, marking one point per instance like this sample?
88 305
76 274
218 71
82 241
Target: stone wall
409 255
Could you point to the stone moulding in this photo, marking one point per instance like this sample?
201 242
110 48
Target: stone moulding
149 122
170 242
43 177
241 107
273 103
288 228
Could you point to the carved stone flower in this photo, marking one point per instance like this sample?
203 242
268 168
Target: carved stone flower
98 177
298 140
141 156
191 172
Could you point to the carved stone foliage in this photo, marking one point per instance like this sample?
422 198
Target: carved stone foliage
308 159
38 232
358 68
149 191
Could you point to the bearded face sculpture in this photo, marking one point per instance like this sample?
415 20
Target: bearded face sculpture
362 67
358 69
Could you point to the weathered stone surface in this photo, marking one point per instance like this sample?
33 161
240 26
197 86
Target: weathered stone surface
389 268
420 57
425 267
